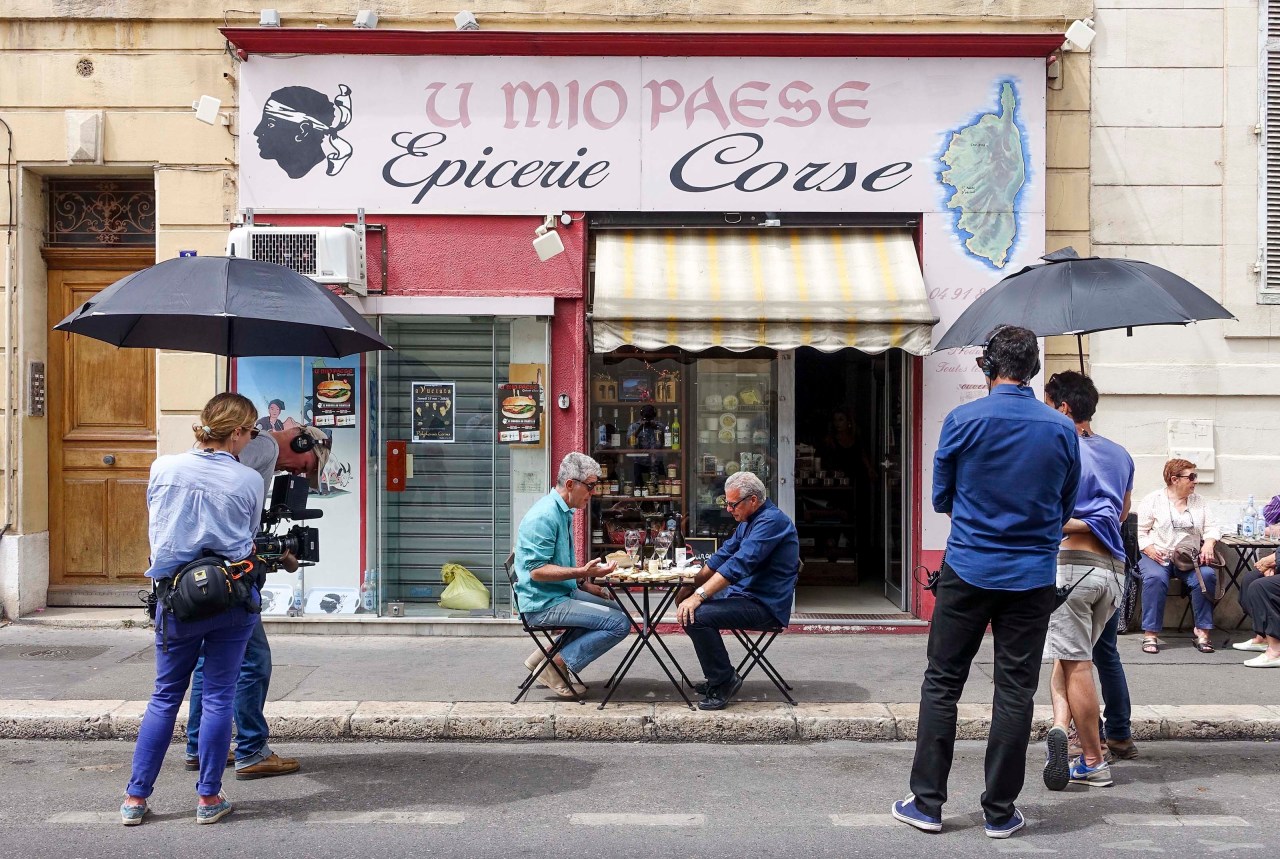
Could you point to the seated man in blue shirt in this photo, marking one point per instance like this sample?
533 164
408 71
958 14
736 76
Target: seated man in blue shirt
547 579
754 573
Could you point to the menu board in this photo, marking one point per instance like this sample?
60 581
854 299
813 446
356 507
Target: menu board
333 391
432 413
520 413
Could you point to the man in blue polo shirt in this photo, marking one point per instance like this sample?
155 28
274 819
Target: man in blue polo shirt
746 584
1006 472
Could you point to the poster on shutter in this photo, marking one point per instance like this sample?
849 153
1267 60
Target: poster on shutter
334 392
433 411
520 413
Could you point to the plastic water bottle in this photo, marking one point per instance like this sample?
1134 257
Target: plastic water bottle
367 589
1250 518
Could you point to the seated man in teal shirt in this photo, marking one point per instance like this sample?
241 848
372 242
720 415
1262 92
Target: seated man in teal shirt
547 579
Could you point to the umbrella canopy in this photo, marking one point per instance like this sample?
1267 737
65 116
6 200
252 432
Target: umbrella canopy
1070 295
224 306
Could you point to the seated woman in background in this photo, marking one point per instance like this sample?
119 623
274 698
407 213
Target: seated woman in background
1166 518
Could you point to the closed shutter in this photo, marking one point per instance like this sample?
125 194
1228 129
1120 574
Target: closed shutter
457 505
1270 291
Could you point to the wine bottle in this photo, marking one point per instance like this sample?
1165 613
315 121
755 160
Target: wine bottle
602 430
632 442
675 431
615 435
678 539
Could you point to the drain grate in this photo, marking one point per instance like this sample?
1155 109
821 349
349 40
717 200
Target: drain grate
50 654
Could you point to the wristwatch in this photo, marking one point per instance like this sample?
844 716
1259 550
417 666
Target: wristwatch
701 594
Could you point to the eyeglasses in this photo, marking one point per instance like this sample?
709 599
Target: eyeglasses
1193 477
589 485
253 431
733 505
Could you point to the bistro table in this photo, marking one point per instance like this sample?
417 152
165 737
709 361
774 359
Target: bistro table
656 596
1248 550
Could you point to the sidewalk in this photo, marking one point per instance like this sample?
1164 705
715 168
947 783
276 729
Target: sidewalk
93 683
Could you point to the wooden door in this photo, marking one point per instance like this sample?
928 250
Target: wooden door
102 441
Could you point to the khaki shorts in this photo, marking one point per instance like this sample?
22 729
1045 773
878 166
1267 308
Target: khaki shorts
1076 626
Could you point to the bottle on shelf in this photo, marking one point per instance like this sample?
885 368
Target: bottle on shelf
603 431
631 429
674 435
615 435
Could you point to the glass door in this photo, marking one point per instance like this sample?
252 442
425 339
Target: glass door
892 456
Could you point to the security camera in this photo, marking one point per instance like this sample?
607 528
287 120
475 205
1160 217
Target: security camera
465 21
206 108
1080 34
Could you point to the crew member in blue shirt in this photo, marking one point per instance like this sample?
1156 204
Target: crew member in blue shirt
746 584
1006 472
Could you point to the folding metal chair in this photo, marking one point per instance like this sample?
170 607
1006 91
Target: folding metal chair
756 648
549 640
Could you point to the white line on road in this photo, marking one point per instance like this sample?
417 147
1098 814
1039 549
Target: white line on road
1175 820
638 819
424 818
85 817
862 820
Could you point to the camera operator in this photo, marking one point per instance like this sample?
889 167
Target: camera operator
298 451
199 503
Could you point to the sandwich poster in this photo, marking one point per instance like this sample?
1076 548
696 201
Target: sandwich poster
520 413
334 393
433 411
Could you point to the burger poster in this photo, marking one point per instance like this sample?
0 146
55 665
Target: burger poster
333 389
433 410
520 413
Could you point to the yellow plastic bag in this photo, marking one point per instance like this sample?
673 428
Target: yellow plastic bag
463 590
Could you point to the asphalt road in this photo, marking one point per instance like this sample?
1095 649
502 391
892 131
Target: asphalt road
629 800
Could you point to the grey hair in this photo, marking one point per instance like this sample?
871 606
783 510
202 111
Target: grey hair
747 484
577 466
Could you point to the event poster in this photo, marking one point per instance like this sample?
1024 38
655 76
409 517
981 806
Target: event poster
283 389
433 412
333 390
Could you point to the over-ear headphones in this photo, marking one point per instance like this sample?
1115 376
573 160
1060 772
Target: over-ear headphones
986 365
302 443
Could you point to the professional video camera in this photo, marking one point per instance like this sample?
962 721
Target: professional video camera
289 501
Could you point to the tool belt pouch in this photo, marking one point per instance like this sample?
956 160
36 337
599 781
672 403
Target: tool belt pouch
207 587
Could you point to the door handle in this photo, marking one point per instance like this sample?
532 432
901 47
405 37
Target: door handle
887 463
109 459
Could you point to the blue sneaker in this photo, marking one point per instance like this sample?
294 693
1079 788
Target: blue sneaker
1004 830
213 813
1082 773
906 811
1057 765
131 815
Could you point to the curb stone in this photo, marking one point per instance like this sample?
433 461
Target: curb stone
747 722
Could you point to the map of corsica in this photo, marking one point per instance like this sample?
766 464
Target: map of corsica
987 169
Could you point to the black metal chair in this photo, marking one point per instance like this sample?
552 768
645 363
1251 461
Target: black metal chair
757 643
549 640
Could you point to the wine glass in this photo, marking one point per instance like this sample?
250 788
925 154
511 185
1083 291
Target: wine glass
632 541
661 543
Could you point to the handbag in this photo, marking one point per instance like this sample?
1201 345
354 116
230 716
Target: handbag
209 586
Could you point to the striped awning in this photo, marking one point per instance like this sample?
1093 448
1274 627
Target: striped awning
740 289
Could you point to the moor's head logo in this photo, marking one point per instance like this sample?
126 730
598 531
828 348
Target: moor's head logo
299 129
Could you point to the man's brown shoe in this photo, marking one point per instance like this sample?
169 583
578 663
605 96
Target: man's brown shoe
1125 750
193 764
274 765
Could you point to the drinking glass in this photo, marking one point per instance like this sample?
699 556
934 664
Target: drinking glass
661 543
632 542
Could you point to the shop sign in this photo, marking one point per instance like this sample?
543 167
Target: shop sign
532 135
333 390
433 408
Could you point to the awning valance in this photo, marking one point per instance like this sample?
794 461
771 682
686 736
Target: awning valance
738 289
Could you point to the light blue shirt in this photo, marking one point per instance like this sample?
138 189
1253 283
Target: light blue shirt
199 501
545 537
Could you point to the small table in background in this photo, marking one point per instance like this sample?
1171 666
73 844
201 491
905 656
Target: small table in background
650 613
1248 550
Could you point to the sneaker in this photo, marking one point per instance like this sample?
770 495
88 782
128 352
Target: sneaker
131 815
718 699
268 767
1004 830
193 764
1057 767
1121 750
1251 646
213 813
1082 773
906 811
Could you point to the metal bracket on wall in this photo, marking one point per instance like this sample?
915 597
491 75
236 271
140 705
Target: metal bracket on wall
362 226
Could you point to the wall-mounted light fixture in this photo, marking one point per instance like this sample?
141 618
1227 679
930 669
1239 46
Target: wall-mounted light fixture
546 240
207 110
269 18
465 20
366 19
1080 35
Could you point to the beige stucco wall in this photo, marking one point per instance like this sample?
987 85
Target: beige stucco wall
152 58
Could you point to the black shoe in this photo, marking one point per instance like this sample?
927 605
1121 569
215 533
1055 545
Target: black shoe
718 698
702 687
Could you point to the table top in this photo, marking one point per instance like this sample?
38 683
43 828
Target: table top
667 580
1239 541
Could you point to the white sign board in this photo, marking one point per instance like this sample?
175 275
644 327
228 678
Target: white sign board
532 135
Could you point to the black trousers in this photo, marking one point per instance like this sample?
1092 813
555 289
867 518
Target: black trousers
1019 622
1261 599
736 612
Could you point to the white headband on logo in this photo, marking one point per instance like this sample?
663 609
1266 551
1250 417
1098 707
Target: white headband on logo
336 150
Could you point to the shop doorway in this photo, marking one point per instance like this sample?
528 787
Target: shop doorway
850 430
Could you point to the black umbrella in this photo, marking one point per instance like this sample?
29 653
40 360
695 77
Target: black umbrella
1070 295
224 306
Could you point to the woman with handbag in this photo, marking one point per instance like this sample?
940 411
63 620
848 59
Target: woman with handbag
1177 535
200 502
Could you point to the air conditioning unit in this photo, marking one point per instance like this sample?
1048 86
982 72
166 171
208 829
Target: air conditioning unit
328 255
